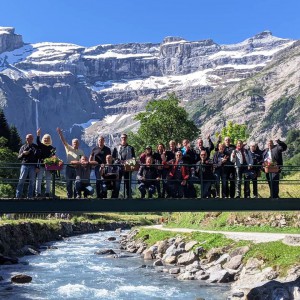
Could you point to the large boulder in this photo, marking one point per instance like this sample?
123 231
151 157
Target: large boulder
189 246
234 262
187 258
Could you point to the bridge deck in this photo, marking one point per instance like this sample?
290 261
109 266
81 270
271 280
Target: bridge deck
46 205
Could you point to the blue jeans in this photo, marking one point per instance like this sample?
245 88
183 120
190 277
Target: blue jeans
143 187
26 171
221 175
70 178
39 179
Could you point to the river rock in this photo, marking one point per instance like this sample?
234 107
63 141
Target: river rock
21 278
217 274
178 240
234 262
189 246
111 238
187 258
158 263
172 259
213 254
186 276
148 255
174 271
105 251
141 249
29 250
162 246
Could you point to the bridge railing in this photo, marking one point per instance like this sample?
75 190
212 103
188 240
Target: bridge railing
289 185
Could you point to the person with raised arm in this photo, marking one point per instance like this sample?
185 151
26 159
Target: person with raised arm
46 151
200 147
272 156
230 170
73 154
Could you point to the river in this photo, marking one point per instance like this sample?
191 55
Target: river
73 271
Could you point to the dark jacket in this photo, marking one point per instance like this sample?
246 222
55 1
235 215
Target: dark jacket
149 173
45 151
205 170
184 171
99 155
218 162
32 157
276 152
207 149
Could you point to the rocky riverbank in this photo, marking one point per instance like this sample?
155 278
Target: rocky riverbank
188 260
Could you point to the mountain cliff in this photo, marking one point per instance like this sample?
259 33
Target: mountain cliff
98 90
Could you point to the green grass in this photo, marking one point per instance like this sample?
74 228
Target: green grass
277 255
234 221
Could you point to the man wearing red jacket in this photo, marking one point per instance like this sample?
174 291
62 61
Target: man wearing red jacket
177 178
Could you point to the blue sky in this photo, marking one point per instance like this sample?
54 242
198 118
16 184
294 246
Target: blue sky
93 22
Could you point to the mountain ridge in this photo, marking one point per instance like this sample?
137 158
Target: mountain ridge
114 82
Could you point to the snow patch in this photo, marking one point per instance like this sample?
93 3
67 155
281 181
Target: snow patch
87 124
110 118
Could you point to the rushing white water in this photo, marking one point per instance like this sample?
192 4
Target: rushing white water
73 271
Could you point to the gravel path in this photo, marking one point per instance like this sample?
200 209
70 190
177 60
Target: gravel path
256 237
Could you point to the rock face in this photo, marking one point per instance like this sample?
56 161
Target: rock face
9 40
98 90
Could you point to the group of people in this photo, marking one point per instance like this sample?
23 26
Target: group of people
172 172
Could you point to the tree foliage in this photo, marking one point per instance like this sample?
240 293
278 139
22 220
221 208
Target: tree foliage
10 143
4 128
15 141
234 131
293 142
162 121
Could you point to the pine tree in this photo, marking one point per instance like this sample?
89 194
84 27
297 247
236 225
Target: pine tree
4 128
15 141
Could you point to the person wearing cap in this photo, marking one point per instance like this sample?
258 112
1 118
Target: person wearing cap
147 153
99 154
122 153
73 153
